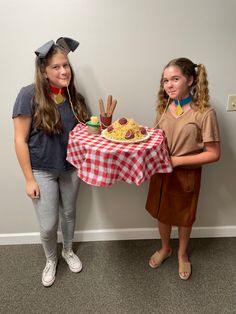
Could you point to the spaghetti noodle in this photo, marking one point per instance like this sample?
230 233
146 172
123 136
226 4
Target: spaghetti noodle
125 129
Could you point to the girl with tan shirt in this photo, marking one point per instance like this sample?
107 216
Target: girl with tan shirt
191 129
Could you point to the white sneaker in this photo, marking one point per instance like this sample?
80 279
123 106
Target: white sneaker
49 273
72 260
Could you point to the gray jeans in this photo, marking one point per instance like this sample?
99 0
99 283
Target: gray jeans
58 193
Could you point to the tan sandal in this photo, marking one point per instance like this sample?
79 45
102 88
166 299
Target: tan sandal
156 259
185 267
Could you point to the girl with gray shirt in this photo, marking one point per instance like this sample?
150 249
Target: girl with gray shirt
44 113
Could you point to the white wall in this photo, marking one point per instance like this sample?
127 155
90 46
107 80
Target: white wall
124 46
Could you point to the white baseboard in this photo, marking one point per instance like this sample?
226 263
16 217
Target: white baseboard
118 234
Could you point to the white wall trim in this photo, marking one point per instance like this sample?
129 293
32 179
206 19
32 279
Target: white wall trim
118 234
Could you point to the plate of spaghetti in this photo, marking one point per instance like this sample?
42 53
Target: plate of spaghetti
125 130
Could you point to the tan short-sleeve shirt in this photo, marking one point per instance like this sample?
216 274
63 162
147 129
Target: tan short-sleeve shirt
187 133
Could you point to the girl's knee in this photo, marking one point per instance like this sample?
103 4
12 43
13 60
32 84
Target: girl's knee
48 232
68 213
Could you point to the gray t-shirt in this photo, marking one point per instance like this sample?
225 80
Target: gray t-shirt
47 152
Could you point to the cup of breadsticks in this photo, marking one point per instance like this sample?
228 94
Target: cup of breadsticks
106 115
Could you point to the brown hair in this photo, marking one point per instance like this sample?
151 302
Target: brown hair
199 88
46 114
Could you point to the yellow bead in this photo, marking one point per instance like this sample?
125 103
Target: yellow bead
94 120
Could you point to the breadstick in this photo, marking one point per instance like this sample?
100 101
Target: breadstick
113 106
109 102
102 109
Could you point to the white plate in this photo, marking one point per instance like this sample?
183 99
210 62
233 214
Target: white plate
126 141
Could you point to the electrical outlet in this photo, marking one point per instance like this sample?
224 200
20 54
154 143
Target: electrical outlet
231 103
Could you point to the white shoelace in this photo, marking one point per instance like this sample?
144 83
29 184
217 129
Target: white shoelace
50 266
70 255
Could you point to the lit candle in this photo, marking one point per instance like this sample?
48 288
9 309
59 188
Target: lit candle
94 120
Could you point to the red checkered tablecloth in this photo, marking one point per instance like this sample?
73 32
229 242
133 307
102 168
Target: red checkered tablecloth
101 162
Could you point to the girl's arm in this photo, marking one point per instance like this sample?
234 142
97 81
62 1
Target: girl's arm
210 154
22 126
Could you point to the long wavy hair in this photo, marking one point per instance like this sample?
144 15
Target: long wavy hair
46 114
199 88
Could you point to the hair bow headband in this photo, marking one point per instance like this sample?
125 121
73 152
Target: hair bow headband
67 43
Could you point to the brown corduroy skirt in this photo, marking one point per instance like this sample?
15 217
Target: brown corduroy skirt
173 197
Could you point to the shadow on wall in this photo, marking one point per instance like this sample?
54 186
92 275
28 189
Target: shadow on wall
218 197
121 205
84 79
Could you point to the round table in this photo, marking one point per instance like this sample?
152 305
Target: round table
101 162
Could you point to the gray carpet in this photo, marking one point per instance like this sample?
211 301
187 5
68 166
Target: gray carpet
116 279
